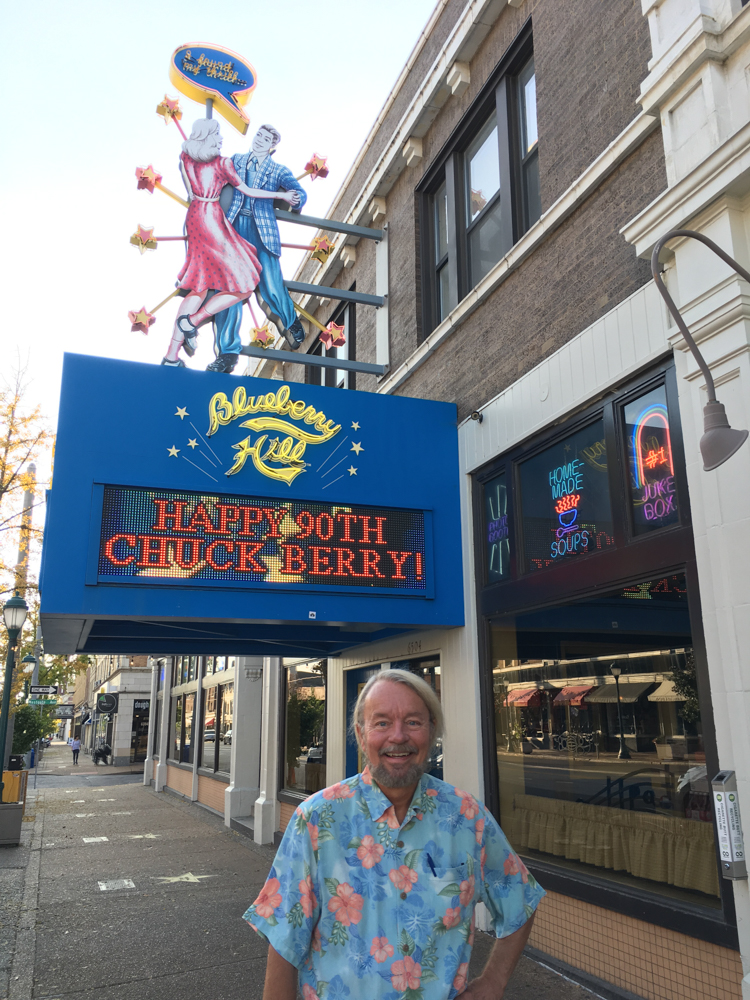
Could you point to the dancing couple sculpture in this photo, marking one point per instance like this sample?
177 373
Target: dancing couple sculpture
232 255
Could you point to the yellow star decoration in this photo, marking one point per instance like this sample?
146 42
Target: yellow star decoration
356 447
187 877
173 451
192 443
352 471
182 412
143 238
355 426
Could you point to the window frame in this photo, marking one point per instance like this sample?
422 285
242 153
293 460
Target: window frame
498 96
345 313
632 559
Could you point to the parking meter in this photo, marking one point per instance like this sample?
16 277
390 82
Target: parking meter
731 846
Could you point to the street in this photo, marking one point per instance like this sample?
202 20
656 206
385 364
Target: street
122 894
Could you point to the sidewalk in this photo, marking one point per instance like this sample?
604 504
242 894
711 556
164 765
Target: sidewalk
120 893
58 759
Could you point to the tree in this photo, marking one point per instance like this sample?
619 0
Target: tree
30 726
685 684
23 438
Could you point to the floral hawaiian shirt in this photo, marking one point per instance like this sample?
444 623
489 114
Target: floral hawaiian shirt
364 905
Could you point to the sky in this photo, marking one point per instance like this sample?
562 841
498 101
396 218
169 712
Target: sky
83 80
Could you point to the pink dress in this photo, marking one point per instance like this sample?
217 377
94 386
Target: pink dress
217 257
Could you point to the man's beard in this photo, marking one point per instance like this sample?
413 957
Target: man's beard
410 776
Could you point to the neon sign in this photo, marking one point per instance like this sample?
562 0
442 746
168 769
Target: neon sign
653 492
180 536
569 536
652 457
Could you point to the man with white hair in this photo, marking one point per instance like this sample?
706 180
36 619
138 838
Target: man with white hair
374 887
255 222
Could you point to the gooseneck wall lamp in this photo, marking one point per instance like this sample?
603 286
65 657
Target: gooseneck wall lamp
719 441
14 614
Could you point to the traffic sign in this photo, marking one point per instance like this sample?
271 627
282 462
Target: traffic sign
42 701
43 688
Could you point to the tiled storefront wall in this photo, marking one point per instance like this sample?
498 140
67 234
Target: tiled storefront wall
285 814
211 792
655 963
179 780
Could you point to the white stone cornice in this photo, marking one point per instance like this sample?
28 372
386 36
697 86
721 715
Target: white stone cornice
726 169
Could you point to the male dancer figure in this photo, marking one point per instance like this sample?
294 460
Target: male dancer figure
254 220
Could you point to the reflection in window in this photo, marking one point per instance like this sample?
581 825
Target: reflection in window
440 207
565 506
188 746
483 202
529 145
224 755
305 770
496 529
653 493
208 750
176 729
565 795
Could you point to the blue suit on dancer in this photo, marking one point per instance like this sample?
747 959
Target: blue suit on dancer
254 220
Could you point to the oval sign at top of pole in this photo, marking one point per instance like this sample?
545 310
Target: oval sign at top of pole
213 73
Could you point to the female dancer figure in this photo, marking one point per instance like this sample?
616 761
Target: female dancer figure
218 259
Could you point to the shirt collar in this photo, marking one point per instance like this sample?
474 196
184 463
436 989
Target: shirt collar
378 802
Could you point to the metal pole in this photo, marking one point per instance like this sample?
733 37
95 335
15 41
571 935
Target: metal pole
5 710
624 753
38 749
209 107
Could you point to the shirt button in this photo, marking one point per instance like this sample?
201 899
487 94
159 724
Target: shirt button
399 843
403 895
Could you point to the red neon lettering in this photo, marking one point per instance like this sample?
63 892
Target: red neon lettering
399 558
225 518
293 556
347 519
324 533
153 546
378 531
370 560
567 502
169 510
246 560
275 517
200 519
213 547
418 560
344 559
250 516
187 552
306 521
109 549
320 565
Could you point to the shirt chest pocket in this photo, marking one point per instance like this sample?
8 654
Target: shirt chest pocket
455 887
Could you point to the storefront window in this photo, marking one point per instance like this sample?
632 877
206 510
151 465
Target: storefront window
496 531
176 729
209 665
565 502
653 493
305 770
619 790
208 749
157 728
188 751
224 755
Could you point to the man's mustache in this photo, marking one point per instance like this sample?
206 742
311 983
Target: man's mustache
409 748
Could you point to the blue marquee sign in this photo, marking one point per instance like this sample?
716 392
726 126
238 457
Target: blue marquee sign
193 512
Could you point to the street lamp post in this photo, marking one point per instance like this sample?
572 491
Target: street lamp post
14 613
624 753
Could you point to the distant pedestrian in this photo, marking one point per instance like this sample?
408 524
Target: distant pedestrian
75 746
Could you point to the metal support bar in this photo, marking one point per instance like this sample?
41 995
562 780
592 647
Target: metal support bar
315 360
324 292
329 224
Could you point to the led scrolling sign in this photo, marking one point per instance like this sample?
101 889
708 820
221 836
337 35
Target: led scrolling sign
179 536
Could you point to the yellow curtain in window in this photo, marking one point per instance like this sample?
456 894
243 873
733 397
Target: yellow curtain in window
665 849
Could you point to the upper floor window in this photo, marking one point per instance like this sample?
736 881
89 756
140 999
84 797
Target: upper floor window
344 316
482 193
